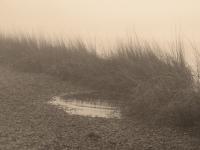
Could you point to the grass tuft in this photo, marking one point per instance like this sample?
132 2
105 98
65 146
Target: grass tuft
157 86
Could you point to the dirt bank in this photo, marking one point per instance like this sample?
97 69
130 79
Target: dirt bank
27 122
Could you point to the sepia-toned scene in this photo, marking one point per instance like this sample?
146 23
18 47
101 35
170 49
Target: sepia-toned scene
99 75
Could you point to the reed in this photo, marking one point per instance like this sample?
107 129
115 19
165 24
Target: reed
158 86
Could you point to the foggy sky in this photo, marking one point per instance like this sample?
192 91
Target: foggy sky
103 19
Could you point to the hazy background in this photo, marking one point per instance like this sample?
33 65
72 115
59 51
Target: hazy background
103 21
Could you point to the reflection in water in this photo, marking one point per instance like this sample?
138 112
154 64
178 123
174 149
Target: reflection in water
86 108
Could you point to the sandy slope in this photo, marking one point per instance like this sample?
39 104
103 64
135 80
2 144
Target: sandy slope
27 122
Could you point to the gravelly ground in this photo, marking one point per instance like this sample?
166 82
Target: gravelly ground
28 122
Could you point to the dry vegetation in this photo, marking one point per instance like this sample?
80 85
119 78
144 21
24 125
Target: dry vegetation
158 86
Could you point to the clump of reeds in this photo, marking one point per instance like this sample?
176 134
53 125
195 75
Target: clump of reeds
157 85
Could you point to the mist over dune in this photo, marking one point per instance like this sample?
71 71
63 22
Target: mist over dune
105 22
106 19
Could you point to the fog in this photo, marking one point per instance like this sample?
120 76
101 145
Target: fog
103 21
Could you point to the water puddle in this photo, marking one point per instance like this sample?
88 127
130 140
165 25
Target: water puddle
95 108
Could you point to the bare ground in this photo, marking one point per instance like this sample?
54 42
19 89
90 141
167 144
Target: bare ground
28 122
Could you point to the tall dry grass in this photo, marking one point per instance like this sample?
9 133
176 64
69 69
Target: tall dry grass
157 86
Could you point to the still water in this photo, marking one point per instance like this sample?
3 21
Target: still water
93 108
